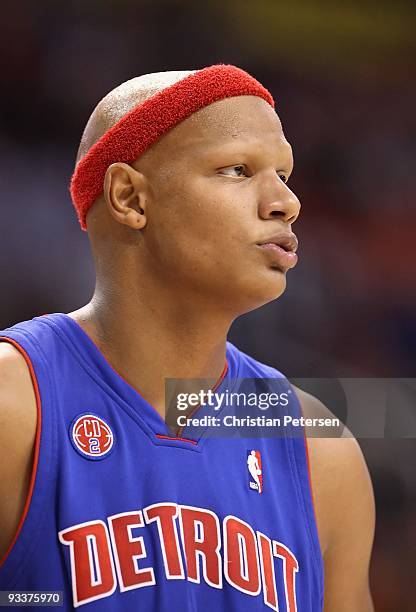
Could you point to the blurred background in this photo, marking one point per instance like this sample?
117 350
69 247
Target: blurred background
342 75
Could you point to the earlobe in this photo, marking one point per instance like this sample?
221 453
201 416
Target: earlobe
124 195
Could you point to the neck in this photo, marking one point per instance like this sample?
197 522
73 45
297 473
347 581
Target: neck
147 341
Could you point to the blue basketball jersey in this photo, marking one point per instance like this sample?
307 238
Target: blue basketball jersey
123 516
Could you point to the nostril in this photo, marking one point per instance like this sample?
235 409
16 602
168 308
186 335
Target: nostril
277 213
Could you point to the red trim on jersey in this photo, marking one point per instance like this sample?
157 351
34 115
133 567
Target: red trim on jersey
191 414
305 439
310 480
176 438
129 137
36 445
309 470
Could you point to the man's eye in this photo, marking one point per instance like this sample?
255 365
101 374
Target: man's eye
283 177
240 170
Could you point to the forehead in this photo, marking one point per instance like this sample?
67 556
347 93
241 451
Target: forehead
243 115
245 119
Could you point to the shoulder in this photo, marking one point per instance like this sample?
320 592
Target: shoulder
16 388
345 509
338 469
18 418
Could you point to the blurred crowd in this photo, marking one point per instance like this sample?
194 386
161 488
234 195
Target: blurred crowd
349 308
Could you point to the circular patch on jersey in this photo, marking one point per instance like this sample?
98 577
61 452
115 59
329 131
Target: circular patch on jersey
91 436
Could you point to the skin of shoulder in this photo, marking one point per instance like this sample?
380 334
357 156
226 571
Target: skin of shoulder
18 418
345 511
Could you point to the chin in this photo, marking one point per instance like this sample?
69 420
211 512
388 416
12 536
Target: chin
275 291
261 293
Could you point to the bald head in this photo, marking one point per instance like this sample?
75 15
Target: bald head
121 101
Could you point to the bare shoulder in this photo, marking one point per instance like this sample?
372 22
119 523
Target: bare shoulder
17 396
345 509
18 417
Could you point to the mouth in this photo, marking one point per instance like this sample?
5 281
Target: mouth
282 249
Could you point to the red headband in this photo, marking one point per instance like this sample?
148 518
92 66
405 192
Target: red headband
138 129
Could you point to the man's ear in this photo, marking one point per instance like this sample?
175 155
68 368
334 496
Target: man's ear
124 193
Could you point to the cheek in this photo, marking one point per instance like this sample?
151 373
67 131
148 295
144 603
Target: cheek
204 240
200 227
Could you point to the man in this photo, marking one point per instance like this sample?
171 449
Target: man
181 182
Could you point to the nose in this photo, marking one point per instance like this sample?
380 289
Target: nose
279 202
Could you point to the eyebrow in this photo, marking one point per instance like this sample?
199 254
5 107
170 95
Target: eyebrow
246 147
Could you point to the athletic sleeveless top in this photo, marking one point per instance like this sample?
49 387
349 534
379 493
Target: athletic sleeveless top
122 516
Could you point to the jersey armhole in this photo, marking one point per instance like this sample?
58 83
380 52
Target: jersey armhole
302 468
36 446
308 465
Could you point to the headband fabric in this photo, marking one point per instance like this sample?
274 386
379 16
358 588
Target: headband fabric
143 125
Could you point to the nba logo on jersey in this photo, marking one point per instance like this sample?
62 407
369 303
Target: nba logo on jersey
91 436
255 471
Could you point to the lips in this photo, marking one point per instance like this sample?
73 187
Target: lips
281 248
287 241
